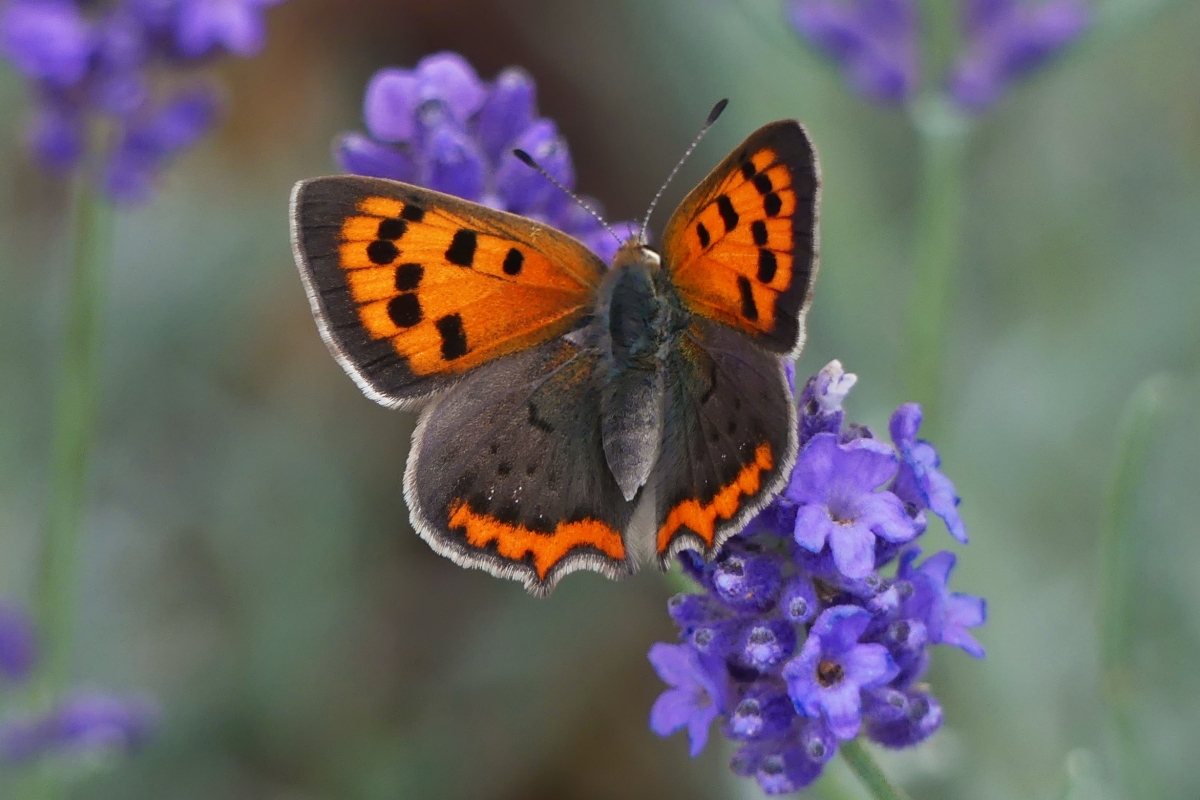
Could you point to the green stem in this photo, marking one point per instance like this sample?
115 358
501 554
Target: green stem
74 415
864 766
942 134
1143 419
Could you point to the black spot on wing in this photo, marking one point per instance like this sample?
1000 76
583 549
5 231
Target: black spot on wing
766 266
758 229
412 213
392 228
772 204
454 337
749 309
728 215
408 276
404 310
382 252
702 233
539 422
513 262
762 182
462 248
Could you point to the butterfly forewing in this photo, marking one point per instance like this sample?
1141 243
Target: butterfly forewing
742 249
414 288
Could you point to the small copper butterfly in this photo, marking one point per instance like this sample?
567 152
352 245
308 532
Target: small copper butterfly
558 396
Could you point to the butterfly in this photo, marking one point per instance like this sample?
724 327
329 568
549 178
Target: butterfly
575 416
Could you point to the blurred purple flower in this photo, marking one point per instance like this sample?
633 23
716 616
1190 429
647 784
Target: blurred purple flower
47 40
1007 39
835 484
84 723
694 699
863 639
87 61
18 642
237 25
439 125
873 41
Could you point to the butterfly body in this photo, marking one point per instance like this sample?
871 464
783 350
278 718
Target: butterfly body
560 399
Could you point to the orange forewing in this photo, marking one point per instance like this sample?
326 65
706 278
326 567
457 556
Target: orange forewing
741 247
452 288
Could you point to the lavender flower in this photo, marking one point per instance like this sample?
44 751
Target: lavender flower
873 41
440 126
83 723
1006 39
793 648
86 62
919 481
18 647
834 485
86 723
696 695
827 679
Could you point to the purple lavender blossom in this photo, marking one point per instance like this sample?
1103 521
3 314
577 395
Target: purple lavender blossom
18 644
919 481
805 653
947 614
828 677
92 62
203 26
696 696
835 486
83 723
439 125
873 41
1007 39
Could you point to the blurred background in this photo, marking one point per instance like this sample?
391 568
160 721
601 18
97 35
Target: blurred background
248 558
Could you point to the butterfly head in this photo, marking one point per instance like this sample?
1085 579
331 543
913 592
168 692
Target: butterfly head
635 250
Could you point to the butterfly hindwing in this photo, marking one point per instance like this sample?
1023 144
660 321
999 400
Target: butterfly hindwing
508 472
729 442
413 288
742 248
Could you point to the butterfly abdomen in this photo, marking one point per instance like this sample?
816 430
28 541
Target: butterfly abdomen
637 321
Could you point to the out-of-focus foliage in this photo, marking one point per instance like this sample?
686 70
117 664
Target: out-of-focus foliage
248 557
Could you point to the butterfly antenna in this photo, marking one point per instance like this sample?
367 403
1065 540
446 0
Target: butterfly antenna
528 161
712 117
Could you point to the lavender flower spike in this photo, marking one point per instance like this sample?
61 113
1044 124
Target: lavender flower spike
440 126
863 641
873 41
1007 39
85 723
103 62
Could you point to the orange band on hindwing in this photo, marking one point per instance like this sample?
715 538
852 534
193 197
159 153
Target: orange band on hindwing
516 542
701 518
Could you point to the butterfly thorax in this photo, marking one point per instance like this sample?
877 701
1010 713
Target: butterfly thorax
639 320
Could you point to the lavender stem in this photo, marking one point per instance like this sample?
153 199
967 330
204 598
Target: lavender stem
74 416
868 771
1143 419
